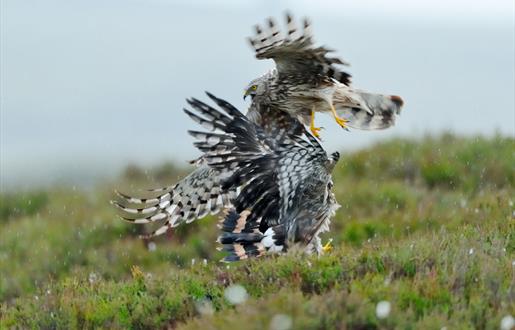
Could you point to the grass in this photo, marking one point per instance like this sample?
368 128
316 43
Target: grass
427 225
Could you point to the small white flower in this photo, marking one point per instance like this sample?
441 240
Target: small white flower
507 323
93 277
383 309
235 294
471 251
281 322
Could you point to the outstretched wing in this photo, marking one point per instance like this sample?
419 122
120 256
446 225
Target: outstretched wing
296 53
269 169
195 196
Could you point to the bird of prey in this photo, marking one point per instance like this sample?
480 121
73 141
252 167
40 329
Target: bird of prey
274 99
274 182
306 80
283 179
200 193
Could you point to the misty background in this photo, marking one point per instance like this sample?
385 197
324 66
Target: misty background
87 87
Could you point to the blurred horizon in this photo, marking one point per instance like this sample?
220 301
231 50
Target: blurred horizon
87 88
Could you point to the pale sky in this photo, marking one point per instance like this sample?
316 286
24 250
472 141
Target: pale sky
88 86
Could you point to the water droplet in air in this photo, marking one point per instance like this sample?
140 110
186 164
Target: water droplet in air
281 322
507 322
204 307
235 294
383 309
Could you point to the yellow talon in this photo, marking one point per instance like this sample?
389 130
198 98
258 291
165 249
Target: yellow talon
314 130
327 247
341 121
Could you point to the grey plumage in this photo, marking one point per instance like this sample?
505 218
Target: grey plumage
284 182
194 197
271 175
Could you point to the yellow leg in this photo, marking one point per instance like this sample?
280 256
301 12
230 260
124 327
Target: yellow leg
327 247
314 130
341 121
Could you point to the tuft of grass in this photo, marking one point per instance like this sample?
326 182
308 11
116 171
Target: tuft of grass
15 205
425 225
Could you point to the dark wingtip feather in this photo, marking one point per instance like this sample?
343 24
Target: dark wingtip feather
289 16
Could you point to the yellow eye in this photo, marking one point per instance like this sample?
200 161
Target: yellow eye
254 87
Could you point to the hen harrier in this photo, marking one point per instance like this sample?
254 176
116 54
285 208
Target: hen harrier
306 80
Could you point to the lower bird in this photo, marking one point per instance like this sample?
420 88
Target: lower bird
284 182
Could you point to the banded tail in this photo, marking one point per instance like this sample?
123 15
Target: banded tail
242 239
365 110
194 197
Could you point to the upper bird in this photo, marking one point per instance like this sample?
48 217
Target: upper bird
306 80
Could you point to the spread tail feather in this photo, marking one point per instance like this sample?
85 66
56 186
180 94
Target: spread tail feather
242 239
367 111
194 197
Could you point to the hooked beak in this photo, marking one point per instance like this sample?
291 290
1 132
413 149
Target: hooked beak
245 94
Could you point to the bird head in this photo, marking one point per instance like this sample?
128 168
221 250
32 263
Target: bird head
258 87
251 90
254 88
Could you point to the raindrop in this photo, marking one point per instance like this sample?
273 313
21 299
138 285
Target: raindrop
383 309
235 294
281 322
204 307
507 322
151 246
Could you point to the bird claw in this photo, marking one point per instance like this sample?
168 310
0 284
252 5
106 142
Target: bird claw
327 247
316 131
342 122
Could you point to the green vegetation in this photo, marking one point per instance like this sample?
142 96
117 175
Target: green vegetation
428 226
